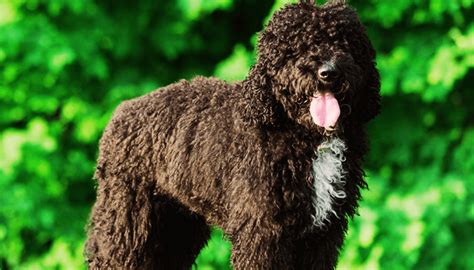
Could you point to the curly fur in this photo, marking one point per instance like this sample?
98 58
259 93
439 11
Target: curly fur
239 156
328 179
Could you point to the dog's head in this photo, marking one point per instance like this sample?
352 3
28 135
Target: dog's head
315 66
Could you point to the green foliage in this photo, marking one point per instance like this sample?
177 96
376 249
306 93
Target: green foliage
215 256
65 65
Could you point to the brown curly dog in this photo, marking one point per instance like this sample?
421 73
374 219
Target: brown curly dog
274 160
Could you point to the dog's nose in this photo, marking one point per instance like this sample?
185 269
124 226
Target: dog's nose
328 72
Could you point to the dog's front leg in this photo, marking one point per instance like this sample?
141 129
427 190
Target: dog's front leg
319 250
260 246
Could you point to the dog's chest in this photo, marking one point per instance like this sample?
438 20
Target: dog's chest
328 179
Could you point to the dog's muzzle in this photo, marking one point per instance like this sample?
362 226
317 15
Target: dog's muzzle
328 73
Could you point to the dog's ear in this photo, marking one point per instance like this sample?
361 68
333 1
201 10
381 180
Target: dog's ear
259 101
368 103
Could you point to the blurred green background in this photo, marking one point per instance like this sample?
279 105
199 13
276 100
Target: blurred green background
66 64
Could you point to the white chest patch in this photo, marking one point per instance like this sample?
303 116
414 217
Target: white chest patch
328 179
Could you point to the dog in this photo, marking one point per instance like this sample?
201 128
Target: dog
274 160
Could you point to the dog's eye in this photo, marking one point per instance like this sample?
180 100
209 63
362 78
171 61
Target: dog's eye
304 68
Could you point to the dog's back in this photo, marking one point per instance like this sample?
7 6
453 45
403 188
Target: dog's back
187 138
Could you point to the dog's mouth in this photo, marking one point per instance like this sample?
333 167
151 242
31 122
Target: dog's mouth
325 110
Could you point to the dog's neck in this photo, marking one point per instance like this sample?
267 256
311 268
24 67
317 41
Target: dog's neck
328 179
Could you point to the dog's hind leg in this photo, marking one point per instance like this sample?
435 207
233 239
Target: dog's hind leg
121 225
131 228
179 236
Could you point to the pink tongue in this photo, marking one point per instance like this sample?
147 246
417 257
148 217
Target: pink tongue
325 110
